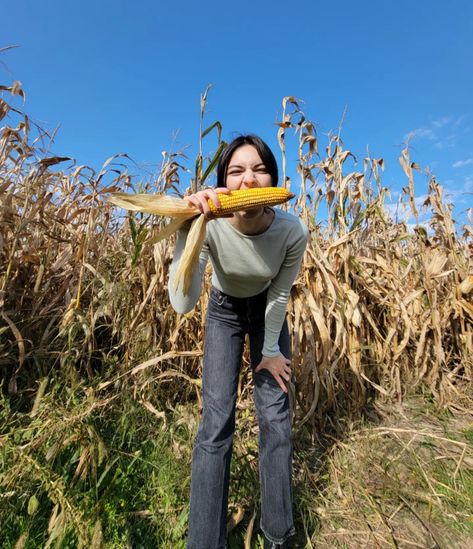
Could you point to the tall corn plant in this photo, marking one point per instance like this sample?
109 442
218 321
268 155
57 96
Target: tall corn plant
376 308
202 173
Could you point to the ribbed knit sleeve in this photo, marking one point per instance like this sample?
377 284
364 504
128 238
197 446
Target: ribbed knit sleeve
280 288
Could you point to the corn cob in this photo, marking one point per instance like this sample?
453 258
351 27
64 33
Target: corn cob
175 207
246 199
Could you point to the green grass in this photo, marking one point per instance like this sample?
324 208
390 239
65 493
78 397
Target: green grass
133 482
113 466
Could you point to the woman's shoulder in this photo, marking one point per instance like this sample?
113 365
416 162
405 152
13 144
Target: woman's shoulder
286 221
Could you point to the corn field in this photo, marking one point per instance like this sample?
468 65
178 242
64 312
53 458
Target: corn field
378 310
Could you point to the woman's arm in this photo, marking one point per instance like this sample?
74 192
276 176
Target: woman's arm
280 289
278 294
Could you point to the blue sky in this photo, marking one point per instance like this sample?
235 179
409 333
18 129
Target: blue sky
126 76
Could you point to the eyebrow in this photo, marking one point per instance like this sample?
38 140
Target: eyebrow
259 165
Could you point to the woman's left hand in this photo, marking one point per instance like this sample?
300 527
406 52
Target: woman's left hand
279 367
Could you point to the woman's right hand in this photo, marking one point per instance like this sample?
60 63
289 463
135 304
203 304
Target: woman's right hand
199 199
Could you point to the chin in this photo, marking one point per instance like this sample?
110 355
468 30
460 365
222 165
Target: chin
250 214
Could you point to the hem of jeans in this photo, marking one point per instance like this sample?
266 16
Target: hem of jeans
278 541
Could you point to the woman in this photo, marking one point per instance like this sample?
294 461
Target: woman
255 256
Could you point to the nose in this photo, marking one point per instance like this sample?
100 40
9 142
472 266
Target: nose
249 179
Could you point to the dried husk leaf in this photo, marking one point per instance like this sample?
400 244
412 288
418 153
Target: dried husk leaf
155 204
190 255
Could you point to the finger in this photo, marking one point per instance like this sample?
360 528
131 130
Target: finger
210 193
193 199
281 384
203 195
285 375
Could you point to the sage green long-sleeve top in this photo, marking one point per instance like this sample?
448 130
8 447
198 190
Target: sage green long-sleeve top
245 265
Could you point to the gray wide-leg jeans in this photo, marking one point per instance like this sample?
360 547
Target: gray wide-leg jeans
228 320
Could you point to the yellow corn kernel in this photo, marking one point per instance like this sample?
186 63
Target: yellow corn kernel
246 199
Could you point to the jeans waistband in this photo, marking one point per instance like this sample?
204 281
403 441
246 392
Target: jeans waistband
261 297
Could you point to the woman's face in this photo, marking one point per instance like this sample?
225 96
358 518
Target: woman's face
246 170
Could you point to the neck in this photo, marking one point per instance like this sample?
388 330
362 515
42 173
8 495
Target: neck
256 224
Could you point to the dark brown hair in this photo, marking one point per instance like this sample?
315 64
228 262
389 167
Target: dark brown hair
264 152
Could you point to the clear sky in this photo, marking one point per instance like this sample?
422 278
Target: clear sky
122 76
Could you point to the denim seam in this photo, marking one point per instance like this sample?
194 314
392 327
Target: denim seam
278 541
